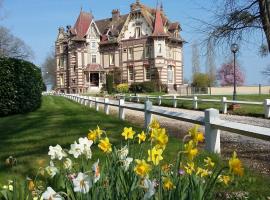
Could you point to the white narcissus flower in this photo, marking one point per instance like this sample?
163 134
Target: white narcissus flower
96 171
50 194
56 152
122 153
150 186
86 147
82 183
67 164
75 150
51 170
127 162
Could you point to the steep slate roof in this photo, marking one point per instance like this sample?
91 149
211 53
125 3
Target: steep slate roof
82 24
159 26
115 26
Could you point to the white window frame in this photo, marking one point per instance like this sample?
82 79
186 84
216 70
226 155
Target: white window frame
130 53
131 73
138 34
92 57
170 69
112 59
145 72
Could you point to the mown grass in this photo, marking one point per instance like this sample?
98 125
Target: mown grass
245 110
60 121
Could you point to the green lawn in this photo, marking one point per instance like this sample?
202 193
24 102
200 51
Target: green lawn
60 121
248 110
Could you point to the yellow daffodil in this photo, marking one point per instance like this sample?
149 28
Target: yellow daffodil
31 185
155 155
160 137
142 168
168 184
195 135
105 145
202 172
142 137
209 163
236 165
128 133
190 168
154 124
95 134
190 150
224 179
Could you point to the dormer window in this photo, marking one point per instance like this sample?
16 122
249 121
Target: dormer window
138 32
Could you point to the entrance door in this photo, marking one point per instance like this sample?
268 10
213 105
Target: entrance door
94 79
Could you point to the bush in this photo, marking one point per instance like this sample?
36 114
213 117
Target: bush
122 88
20 86
109 83
148 86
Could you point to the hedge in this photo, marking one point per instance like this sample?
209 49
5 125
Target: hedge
20 86
147 86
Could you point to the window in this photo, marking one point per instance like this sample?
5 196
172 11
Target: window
130 53
170 74
73 81
111 59
61 79
159 48
94 58
147 73
93 45
147 51
74 68
87 77
131 73
138 32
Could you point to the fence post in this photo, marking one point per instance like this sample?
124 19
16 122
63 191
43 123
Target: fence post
90 101
224 105
138 98
174 101
159 100
86 101
121 109
97 105
267 108
212 135
195 102
130 99
106 106
147 115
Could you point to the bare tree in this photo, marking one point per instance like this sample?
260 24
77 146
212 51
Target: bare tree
195 59
49 70
11 46
235 20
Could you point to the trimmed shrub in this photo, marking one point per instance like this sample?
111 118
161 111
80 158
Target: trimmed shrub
148 86
109 83
122 88
20 86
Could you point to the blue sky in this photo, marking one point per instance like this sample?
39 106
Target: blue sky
37 22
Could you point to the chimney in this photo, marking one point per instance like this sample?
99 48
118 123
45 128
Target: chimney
115 15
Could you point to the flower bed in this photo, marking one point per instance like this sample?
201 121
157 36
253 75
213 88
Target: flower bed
128 171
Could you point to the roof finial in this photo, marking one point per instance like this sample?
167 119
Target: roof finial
81 8
157 5
161 6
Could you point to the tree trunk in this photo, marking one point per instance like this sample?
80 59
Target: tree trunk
264 6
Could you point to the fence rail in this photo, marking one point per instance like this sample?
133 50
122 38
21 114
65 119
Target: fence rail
211 121
223 101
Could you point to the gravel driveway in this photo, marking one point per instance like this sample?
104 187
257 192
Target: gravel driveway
255 153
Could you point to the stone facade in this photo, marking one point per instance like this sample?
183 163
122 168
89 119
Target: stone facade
144 45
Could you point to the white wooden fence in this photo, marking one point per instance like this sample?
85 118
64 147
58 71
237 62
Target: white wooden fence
224 102
211 121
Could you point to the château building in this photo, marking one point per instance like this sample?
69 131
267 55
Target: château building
143 44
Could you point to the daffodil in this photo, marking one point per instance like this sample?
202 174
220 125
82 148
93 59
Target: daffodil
154 124
142 137
209 163
190 150
236 165
202 172
150 187
95 134
128 133
67 164
31 185
105 145
224 179
155 155
195 135
56 152
142 168
190 168
51 170
50 194
168 184
82 183
160 137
